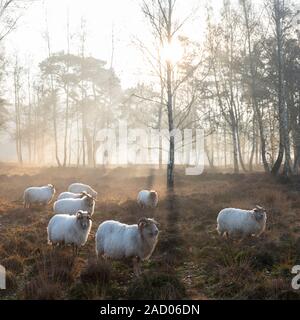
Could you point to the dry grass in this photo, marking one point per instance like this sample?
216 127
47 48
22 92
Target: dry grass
190 261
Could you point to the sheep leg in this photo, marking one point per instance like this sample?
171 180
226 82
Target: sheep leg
75 250
137 266
244 237
225 235
54 246
101 256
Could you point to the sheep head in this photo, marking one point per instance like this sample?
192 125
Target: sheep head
95 193
148 227
259 213
90 200
153 194
83 218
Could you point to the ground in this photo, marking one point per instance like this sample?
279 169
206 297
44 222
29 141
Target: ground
191 260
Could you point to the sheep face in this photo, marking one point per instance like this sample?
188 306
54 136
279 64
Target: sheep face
83 218
153 195
89 200
148 227
259 213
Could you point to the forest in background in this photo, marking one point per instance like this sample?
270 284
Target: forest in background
241 85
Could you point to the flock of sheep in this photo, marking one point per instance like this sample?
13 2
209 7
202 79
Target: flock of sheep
72 222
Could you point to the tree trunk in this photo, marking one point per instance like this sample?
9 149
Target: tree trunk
170 171
17 113
253 92
66 127
235 150
225 147
283 112
89 147
253 144
171 163
240 149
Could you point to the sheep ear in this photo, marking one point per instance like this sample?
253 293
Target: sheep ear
79 214
142 223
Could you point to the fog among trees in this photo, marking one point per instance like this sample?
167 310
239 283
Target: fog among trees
239 82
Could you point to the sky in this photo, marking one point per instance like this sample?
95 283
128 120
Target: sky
123 17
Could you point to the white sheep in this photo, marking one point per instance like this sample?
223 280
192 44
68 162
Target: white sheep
71 195
80 187
72 206
65 229
41 195
116 240
238 222
147 199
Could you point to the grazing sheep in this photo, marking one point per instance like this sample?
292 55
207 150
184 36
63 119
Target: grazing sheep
72 206
116 240
147 199
40 195
234 222
80 187
71 195
65 229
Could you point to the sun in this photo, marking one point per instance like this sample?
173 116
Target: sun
172 52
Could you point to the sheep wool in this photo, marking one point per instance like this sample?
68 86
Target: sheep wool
72 206
117 240
71 195
66 229
234 222
80 187
147 199
41 195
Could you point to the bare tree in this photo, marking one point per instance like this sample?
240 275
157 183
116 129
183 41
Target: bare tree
10 13
249 26
17 87
165 27
53 96
279 15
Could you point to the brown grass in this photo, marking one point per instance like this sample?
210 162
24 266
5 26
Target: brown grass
190 261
